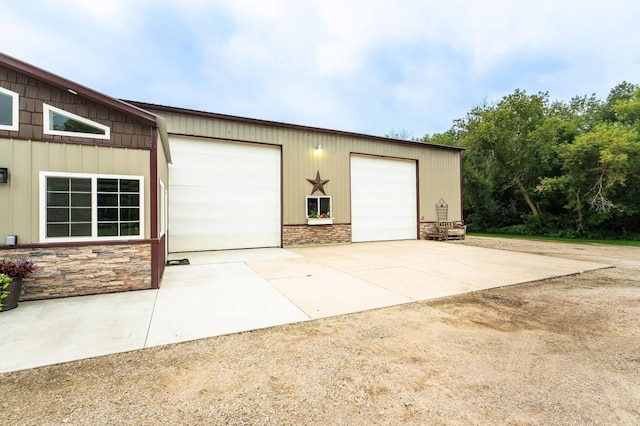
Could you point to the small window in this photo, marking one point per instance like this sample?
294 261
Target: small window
63 123
78 206
68 207
9 110
318 207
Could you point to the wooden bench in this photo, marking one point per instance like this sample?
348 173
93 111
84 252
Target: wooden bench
448 231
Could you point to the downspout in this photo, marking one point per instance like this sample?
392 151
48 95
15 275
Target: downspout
153 187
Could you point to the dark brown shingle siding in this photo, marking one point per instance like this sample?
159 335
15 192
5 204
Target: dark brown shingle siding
125 131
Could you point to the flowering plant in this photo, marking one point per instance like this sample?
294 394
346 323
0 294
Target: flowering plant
322 215
21 268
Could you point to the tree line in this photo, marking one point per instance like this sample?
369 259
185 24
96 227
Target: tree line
533 166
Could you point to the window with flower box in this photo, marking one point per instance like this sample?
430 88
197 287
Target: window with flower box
318 210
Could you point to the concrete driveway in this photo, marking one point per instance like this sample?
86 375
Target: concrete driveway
233 291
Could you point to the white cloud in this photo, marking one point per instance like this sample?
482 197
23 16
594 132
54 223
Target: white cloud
360 65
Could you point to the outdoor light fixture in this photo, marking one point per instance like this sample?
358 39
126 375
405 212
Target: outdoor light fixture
319 148
4 175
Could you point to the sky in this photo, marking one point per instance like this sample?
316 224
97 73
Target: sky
372 67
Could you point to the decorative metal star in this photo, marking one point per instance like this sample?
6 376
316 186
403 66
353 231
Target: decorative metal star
318 184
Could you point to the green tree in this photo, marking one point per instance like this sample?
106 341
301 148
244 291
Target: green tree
512 142
448 138
601 170
620 93
628 110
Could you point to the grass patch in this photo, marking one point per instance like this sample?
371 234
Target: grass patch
560 240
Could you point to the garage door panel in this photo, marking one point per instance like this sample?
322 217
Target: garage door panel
219 227
228 173
383 199
224 195
229 240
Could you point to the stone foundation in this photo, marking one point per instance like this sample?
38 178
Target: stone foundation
83 270
299 235
427 228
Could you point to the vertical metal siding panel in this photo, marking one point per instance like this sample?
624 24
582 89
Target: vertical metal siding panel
6 197
202 126
209 127
242 132
182 124
338 157
217 132
16 195
290 187
302 162
55 157
442 178
439 172
295 172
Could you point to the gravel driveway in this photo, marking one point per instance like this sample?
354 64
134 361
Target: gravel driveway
559 351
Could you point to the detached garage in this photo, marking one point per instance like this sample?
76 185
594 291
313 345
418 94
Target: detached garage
243 183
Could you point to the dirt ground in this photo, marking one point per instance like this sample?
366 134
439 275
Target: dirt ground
560 351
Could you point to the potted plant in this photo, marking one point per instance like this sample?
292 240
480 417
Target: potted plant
15 271
320 219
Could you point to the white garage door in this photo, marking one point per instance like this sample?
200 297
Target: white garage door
383 199
223 195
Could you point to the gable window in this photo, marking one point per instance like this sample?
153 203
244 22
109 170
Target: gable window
9 109
59 122
81 207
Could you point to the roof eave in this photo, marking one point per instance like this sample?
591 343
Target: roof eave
213 115
77 89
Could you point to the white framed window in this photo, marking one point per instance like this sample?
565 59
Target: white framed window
318 207
83 207
59 122
9 110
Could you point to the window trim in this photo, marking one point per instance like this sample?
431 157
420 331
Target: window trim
318 197
46 124
15 110
318 220
94 207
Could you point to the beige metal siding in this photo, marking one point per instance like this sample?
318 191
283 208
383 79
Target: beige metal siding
438 168
25 160
440 179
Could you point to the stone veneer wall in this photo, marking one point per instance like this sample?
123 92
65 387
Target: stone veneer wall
427 228
299 235
82 270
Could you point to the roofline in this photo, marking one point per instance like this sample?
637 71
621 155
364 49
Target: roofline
204 114
77 89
